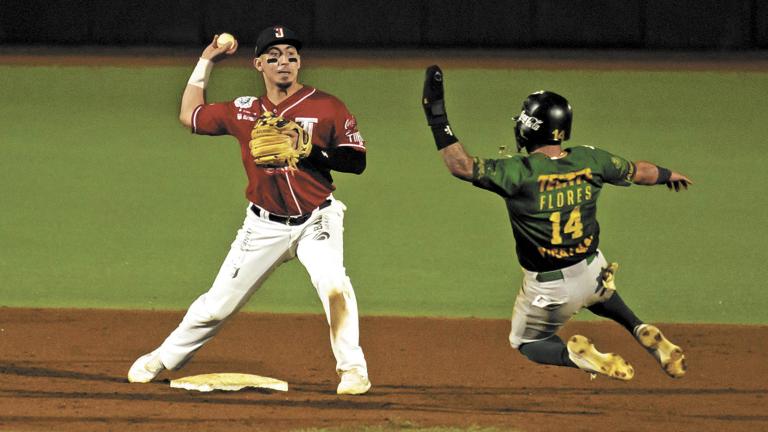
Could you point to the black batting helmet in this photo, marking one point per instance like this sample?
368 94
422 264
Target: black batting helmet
545 119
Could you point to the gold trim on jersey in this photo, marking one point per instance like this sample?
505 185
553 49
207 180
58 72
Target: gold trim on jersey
561 253
549 182
479 168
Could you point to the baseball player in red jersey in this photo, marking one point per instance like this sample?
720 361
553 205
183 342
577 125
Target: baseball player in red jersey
291 212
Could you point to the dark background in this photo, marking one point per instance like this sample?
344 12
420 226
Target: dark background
707 25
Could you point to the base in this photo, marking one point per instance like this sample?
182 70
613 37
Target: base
228 382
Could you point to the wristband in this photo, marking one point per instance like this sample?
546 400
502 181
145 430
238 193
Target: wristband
443 135
435 112
664 175
199 77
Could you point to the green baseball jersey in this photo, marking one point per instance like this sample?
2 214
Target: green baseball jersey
552 202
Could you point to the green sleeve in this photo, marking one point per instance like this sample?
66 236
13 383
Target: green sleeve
502 176
615 169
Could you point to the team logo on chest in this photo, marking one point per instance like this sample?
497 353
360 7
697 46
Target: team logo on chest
308 123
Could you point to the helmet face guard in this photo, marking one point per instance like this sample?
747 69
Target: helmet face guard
545 120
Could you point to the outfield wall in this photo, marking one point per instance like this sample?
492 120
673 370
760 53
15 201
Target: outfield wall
519 24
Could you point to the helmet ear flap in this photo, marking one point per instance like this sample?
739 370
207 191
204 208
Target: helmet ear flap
519 139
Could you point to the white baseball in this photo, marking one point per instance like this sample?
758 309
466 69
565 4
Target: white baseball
225 40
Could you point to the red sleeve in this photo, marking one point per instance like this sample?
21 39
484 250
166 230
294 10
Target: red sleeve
211 119
345 133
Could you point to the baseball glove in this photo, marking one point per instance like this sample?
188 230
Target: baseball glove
272 143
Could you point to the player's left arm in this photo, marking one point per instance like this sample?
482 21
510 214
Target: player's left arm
342 159
649 174
346 150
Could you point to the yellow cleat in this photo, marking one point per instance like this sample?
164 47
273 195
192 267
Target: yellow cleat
587 358
669 355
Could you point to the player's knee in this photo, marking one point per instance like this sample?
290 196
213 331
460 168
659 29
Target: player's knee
333 285
514 339
219 315
213 312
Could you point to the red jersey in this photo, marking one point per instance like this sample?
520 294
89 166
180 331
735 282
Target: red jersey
324 117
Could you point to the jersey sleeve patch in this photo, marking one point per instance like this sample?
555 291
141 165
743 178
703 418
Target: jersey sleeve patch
352 136
245 101
496 175
615 169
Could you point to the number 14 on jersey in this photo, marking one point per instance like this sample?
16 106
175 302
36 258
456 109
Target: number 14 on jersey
573 226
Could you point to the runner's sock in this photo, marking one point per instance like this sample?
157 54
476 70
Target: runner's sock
615 309
550 351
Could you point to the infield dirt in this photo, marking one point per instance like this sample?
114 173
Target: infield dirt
65 370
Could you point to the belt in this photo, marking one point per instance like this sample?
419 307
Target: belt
289 220
554 275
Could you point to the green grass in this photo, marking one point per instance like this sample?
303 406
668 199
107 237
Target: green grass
108 202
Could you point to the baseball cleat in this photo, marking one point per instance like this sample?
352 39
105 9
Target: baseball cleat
582 352
669 355
353 383
146 368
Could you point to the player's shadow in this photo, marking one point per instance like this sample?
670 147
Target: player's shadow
32 371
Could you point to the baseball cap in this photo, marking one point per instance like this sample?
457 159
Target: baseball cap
274 35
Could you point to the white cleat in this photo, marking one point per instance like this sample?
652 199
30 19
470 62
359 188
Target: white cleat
353 383
669 355
587 358
146 368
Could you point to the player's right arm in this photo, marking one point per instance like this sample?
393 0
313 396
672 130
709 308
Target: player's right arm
458 161
194 92
649 174
455 156
499 176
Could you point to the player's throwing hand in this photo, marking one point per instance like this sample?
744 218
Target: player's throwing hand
214 52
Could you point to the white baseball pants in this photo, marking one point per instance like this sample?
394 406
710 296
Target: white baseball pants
261 246
543 307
